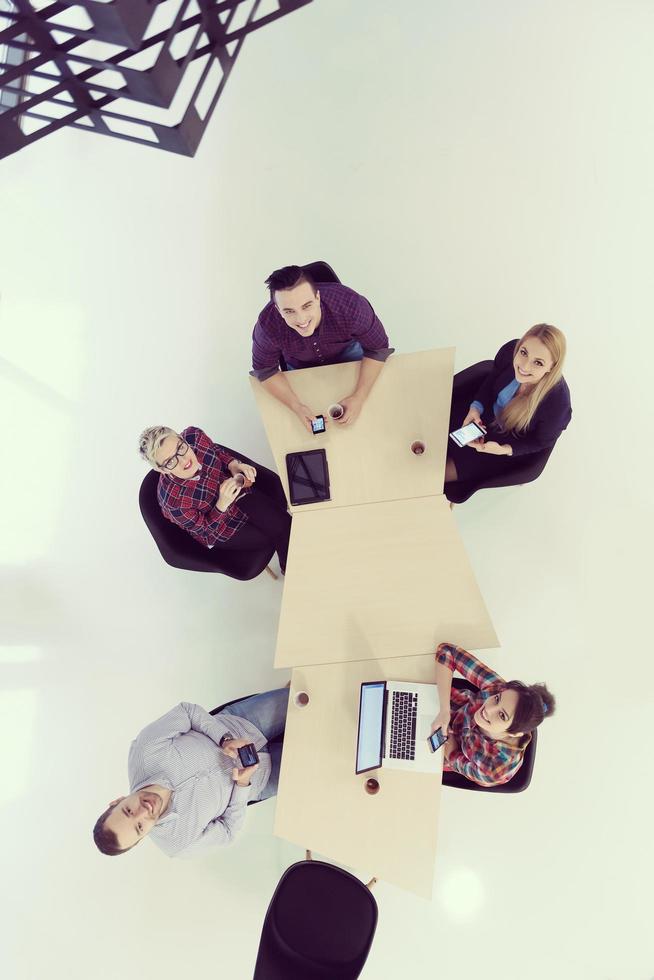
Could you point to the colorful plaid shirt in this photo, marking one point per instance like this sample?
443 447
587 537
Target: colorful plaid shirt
192 503
484 760
345 316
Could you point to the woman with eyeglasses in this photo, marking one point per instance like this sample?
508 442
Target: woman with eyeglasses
219 500
488 728
522 406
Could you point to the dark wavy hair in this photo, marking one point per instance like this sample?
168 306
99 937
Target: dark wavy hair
105 839
534 703
288 278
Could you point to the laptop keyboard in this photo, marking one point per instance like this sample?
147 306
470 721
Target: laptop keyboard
403 725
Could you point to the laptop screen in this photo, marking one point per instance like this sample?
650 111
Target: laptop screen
371 725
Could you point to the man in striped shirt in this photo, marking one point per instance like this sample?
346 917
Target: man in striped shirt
187 791
306 324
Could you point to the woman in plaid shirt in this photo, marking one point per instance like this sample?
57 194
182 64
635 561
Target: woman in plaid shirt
488 729
200 484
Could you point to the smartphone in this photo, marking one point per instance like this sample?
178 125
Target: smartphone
248 755
468 433
318 424
436 740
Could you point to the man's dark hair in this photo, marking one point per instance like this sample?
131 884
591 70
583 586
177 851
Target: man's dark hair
288 278
534 702
105 840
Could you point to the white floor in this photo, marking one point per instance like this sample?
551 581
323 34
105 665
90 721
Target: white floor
472 168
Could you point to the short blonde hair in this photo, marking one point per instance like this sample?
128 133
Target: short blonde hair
150 440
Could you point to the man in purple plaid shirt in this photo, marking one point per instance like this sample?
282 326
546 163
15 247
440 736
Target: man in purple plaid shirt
306 324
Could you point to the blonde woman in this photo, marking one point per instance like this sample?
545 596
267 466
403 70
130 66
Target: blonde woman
523 406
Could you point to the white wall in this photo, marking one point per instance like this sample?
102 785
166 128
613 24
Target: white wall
473 168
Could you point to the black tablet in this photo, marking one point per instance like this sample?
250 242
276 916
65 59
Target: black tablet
308 476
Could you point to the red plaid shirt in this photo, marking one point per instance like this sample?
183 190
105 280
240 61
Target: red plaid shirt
484 760
192 503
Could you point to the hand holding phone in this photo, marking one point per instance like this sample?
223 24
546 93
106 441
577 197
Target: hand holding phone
318 424
242 776
248 755
467 433
436 739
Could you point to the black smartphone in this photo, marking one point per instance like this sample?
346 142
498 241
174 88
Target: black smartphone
248 755
436 740
318 424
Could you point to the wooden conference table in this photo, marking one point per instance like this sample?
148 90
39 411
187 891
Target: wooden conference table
323 805
379 570
370 460
376 577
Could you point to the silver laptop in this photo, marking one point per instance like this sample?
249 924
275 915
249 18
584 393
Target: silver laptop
394 723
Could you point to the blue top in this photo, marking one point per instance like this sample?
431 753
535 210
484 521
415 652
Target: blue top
503 398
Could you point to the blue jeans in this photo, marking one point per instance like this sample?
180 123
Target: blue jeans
268 713
353 352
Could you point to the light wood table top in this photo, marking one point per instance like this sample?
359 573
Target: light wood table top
323 805
379 580
370 460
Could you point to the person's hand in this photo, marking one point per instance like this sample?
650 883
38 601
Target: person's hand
352 405
473 416
249 472
242 776
231 745
305 415
229 491
442 720
491 447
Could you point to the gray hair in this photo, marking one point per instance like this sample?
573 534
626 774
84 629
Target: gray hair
150 440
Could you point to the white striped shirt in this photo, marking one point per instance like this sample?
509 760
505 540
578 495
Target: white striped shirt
180 752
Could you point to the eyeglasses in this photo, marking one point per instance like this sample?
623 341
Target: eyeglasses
170 464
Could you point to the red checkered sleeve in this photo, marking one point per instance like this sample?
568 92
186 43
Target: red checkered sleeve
202 444
456 658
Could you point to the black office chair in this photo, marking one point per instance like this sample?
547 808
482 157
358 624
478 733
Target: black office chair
320 923
517 784
221 707
321 272
180 550
524 469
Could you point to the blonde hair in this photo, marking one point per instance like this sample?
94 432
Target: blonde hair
518 413
150 440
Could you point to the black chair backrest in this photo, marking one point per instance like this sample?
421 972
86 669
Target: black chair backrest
517 784
321 272
466 383
321 922
173 542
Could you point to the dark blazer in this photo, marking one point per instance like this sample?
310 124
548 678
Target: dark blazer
551 417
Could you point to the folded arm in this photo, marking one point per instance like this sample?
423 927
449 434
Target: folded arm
225 827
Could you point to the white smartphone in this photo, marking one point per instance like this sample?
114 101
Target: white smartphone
468 433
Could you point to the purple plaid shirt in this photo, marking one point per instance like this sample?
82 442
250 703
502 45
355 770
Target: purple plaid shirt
192 503
345 316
